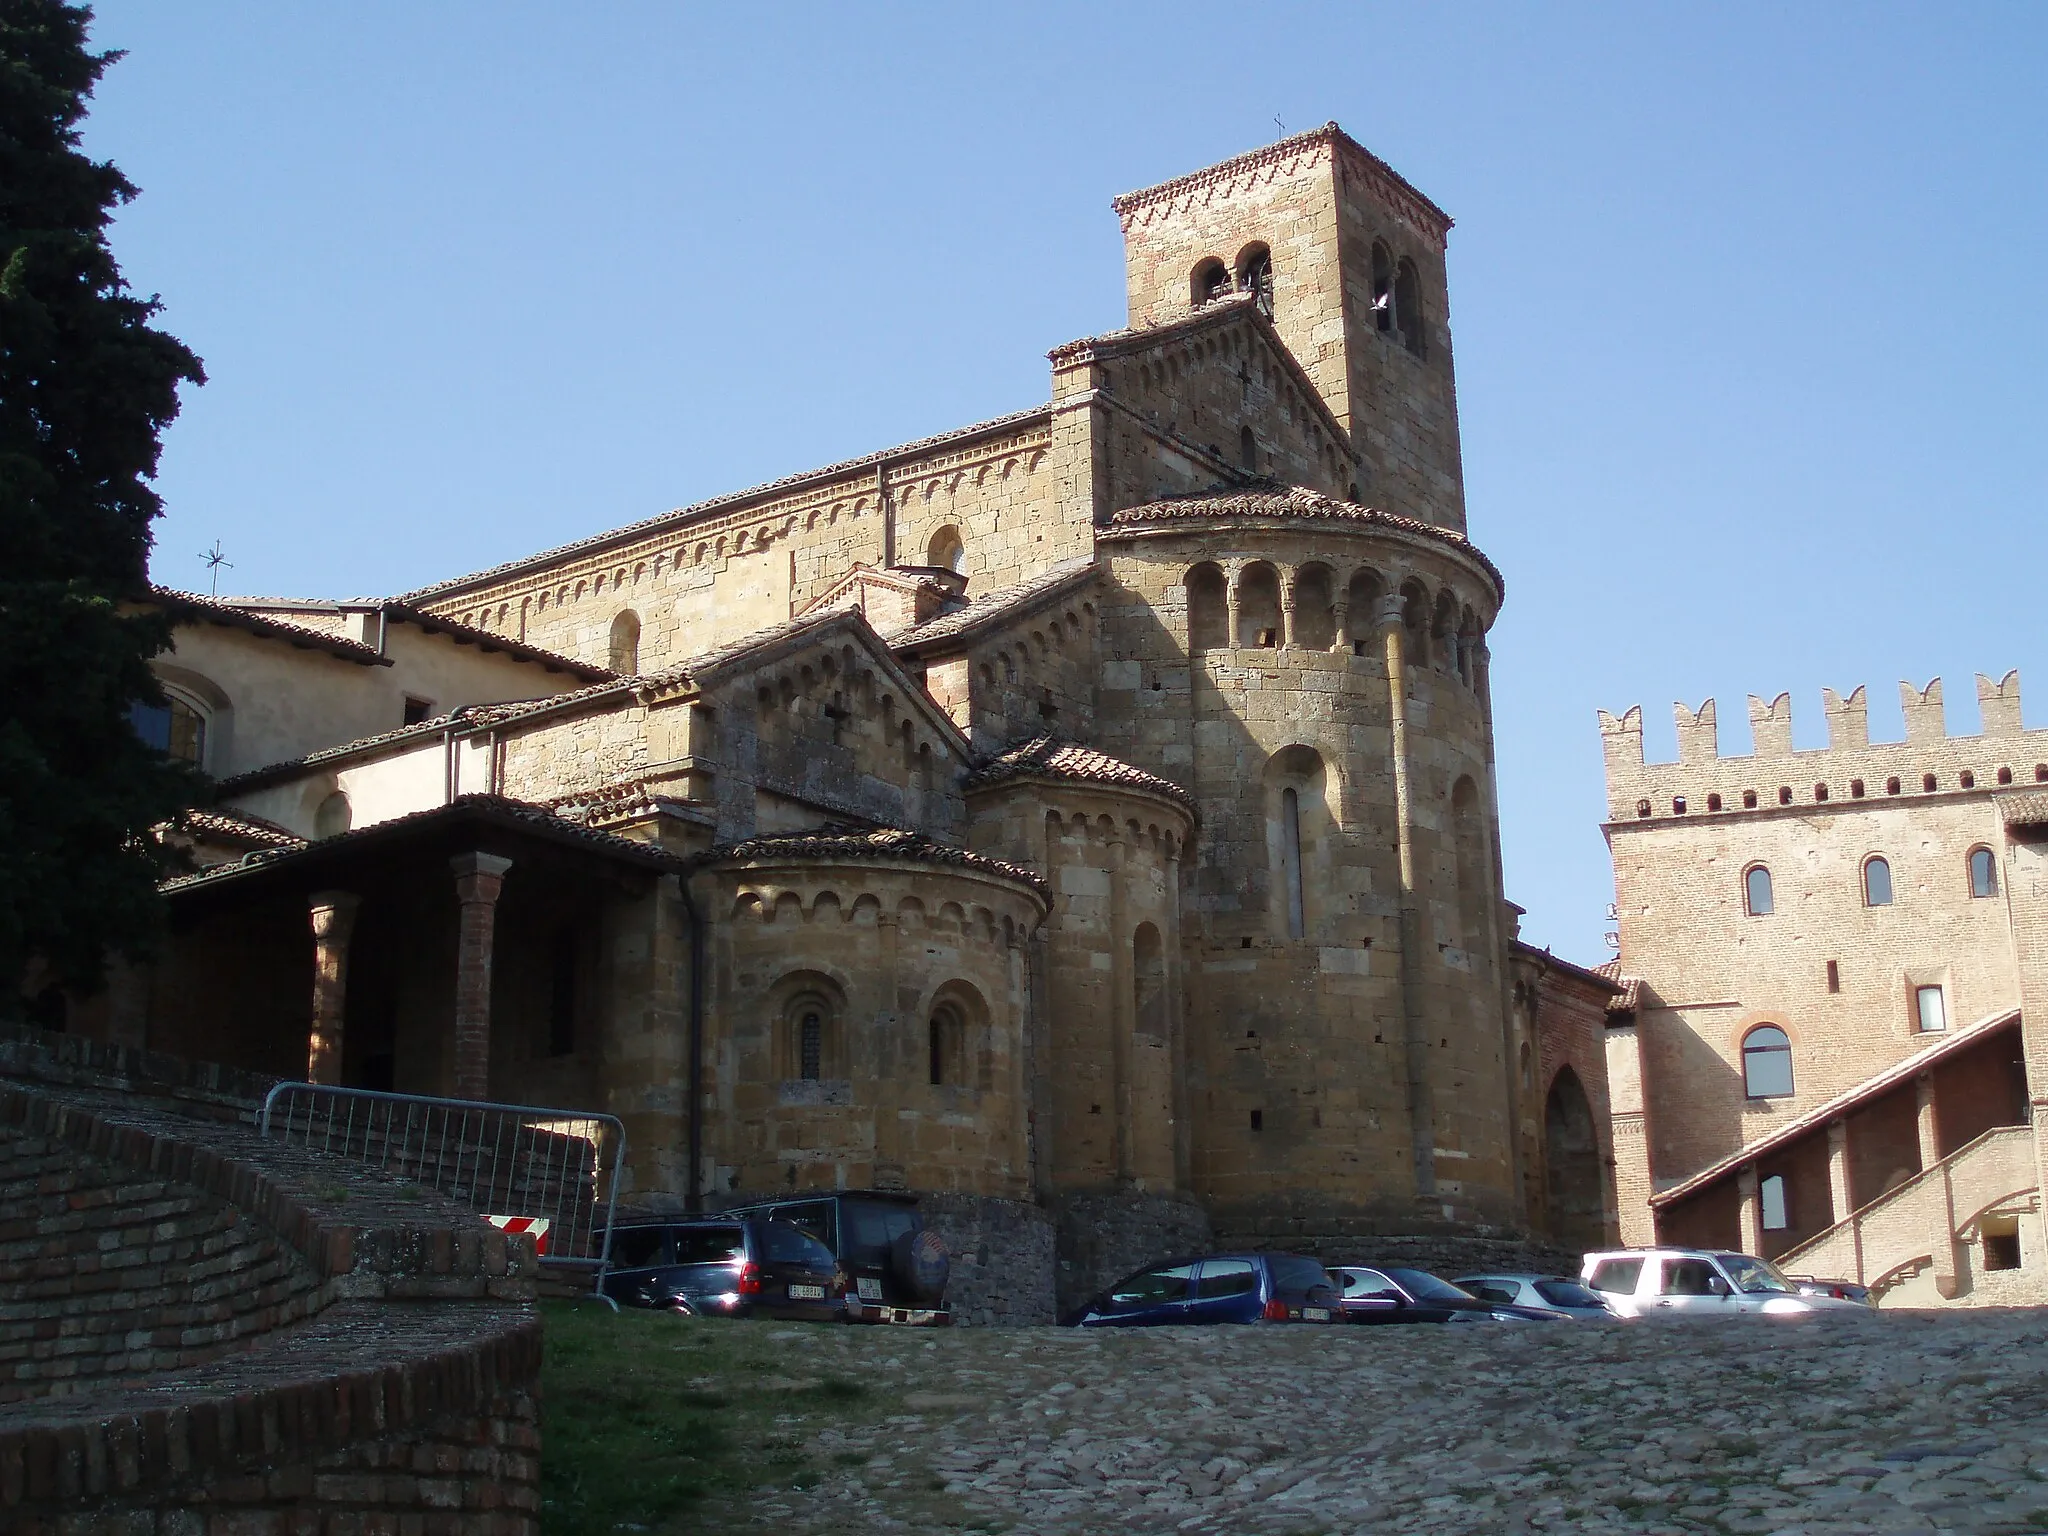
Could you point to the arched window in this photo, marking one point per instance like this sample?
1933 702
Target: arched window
1983 873
810 1044
1255 276
626 643
946 1045
1756 891
1290 861
1767 1063
1211 280
176 728
956 1029
947 551
1247 451
1877 881
1408 307
332 818
1382 287
1258 606
1148 985
1208 609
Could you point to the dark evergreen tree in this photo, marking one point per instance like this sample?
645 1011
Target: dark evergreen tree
86 386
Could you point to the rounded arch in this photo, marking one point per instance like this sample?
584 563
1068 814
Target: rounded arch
947 550
1315 607
625 642
1258 606
333 817
1148 984
1472 858
1255 274
1299 822
1877 881
1758 899
1574 1189
806 1017
1382 286
1208 600
1210 280
1983 868
1766 1063
1408 307
957 1047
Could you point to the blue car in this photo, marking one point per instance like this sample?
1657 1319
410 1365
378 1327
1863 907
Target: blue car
1217 1288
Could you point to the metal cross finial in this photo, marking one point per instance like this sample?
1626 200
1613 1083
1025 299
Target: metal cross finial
1279 125
214 561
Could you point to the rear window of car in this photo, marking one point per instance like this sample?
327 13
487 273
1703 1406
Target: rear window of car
1617 1276
1567 1293
1294 1273
1489 1290
709 1245
872 1229
636 1247
815 1217
784 1244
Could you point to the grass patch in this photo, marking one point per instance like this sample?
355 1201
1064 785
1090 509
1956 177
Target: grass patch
644 1415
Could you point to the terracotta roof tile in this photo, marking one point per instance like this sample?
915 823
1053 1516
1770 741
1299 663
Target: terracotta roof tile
207 610
1630 997
228 825
1290 501
2029 808
839 842
1055 757
991 609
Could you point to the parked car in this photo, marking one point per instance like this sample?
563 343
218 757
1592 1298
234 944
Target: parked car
1699 1282
1546 1293
1217 1288
896 1266
1396 1295
1843 1290
728 1267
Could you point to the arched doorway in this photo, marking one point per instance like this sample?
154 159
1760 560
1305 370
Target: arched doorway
1576 1209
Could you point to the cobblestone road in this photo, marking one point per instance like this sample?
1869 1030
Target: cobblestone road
1890 1422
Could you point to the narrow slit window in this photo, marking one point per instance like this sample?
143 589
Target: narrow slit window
1983 873
1757 891
1930 1010
811 1047
1290 861
1877 882
1771 1197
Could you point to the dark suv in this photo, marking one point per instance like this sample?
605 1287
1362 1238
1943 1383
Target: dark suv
728 1267
1217 1288
896 1267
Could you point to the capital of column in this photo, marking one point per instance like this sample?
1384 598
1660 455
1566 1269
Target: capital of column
333 914
1388 615
478 876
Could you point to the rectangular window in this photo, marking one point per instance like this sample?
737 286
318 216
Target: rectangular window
1929 1011
1617 1276
2001 1250
1771 1196
417 710
1834 976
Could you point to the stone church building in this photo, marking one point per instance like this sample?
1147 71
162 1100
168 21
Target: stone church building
1088 812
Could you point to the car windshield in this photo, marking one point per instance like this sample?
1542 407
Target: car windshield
1291 1272
1568 1293
1427 1287
1756 1277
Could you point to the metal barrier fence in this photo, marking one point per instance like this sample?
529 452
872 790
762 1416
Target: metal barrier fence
554 1172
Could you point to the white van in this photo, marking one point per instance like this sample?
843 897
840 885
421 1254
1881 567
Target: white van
1698 1282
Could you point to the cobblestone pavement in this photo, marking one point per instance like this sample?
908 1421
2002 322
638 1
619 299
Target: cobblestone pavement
1888 1422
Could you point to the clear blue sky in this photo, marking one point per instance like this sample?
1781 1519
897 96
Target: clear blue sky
1748 300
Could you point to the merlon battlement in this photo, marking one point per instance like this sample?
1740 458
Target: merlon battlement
1929 760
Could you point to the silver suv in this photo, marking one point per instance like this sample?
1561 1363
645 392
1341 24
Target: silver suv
1698 1282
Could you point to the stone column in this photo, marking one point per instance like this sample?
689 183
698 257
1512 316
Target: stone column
1123 1011
1752 1210
478 879
1233 573
1285 638
1415 1032
1340 616
334 920
1930 1132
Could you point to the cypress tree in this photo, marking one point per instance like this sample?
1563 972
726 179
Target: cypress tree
87 384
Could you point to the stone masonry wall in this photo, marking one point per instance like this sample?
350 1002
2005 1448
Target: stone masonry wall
1002 1259
1104 1236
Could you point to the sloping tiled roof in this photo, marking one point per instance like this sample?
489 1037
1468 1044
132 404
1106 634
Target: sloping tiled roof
680 516
837 842
1630 997
1893 1076
228 825
487 640
207 610
498 810
991 609
1055 757
2029 808
1293 502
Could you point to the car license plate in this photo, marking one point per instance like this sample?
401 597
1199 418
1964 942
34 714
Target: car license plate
1315 1314
807 1293
870 1288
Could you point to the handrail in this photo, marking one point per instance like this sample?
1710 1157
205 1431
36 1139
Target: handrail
1902 1189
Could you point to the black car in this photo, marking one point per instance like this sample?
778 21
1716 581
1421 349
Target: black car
1216 1288
733 1266
1411 1296
896 1266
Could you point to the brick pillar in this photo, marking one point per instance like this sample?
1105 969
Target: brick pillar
1752 1210
1415 1027
1930 1132
1838 1169
334 920
478 879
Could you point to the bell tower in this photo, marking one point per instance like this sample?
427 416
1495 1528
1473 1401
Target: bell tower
1349 260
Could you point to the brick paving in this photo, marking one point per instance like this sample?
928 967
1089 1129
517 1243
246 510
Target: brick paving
1885 1423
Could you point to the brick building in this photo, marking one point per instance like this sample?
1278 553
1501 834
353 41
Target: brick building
1831 1052
1091 809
